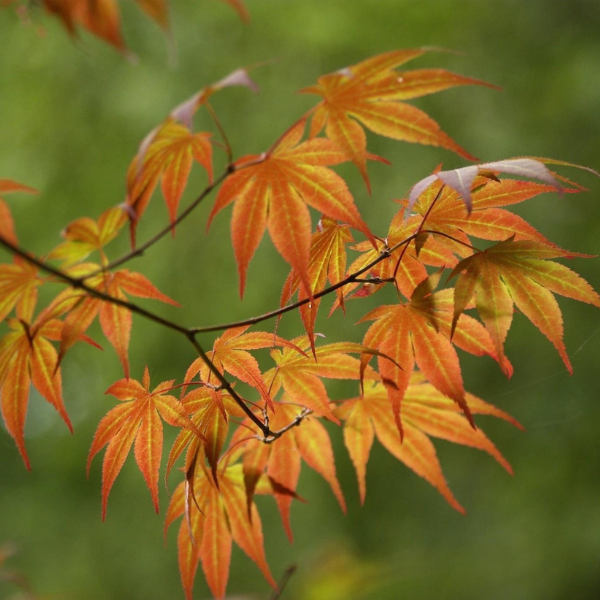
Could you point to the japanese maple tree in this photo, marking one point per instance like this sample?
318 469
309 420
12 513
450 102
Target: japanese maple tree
460 263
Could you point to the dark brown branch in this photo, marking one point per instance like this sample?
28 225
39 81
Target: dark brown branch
275 435
352 278
189 334
166 230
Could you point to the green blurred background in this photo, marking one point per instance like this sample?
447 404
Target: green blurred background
71 117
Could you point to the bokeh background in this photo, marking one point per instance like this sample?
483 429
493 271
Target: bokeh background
71 117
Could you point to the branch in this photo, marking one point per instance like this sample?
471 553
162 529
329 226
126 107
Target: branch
188 333
352 278
275 435
168 229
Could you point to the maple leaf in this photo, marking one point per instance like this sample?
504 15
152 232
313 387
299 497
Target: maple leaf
272 191
208 529
137 419
170 156
425 412
300 375
7 226
170 149
19 283
230 353
209 410
409 269
446 212
115 320
327 262
27 357
519 272
420 331
85 235
371 94
461 180
101 17
281 460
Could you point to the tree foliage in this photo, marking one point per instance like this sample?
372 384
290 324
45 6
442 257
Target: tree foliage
458 259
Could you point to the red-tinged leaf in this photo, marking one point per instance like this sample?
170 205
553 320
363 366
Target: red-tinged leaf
107 429
46 377
445 212
246 527
281 183
18 287
300 374
190 536
77 322
370 93
214 429
541 308
284 468
451 427
438 361
246 239
137 419
100 17
254 463
416 451
15 397
8 186
148 449
215 547
116 453
138 285
391 333
358 438
327 262
7 226
115 321
127 389
169 153
516 272
315 447
560 280
425 412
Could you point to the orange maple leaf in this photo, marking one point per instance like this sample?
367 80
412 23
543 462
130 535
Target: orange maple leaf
425 412
137 419
115 319
281 460
272 191
27 357
300 375
209 410
208 529
85 235
518 272
372 93
230 353
419 331
169 154
7 226
327 263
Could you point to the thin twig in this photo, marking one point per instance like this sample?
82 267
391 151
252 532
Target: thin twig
284 581
275 435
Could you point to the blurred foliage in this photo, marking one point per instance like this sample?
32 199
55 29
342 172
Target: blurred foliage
71 117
